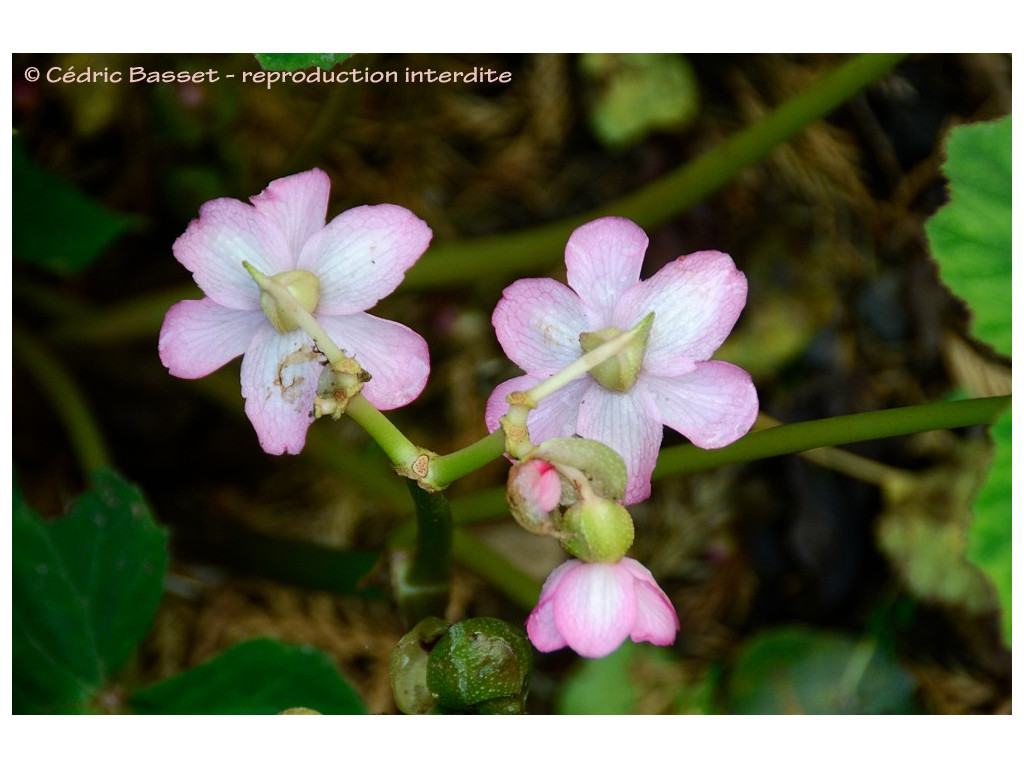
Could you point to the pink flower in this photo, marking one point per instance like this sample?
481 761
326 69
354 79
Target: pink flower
594 607
339 270
671 381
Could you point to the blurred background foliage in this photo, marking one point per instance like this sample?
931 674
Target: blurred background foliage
799 587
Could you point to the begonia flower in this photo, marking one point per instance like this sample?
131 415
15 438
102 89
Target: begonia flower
336 271
593 607
667 378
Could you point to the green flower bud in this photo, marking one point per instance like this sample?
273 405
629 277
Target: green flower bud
602 531
618 373
482 665
603 468
409 667
303 285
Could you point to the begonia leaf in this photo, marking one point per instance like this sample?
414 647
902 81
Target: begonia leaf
255 677
970 236
54 225
799 670
989 544
971 239
290 62
86 586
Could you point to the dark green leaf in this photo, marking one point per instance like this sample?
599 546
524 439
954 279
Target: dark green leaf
54 225
86 587
971 236
292 61
54 661
256 677
116 555
796 670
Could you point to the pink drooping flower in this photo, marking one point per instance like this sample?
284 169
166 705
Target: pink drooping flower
670 380
593 607
338 270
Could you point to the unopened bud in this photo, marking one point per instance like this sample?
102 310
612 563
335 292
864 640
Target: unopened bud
533 493
602 467
602 531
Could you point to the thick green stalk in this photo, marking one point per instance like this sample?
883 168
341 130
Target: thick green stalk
422 583
496 256
393 442
837 430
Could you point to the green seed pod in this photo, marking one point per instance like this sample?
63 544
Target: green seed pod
482 665
409 667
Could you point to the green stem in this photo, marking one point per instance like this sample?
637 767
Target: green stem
446 469
68 401
422 584
838 430
398 448
496 256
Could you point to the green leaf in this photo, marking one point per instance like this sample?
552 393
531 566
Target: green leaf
116 555
290 62
989 536
638 93
970 237
54 225
797 670
86 587
257 677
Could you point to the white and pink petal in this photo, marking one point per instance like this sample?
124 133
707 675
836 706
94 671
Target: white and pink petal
656 618
395 356
297 205
280 372
200 336
696 301
713 405
595 608
362 255
603 259
213 247
628 423
538 322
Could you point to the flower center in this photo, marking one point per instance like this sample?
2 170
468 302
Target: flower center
303 285
618 373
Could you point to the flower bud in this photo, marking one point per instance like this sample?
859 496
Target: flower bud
482 665
603 468
533 493
601 530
